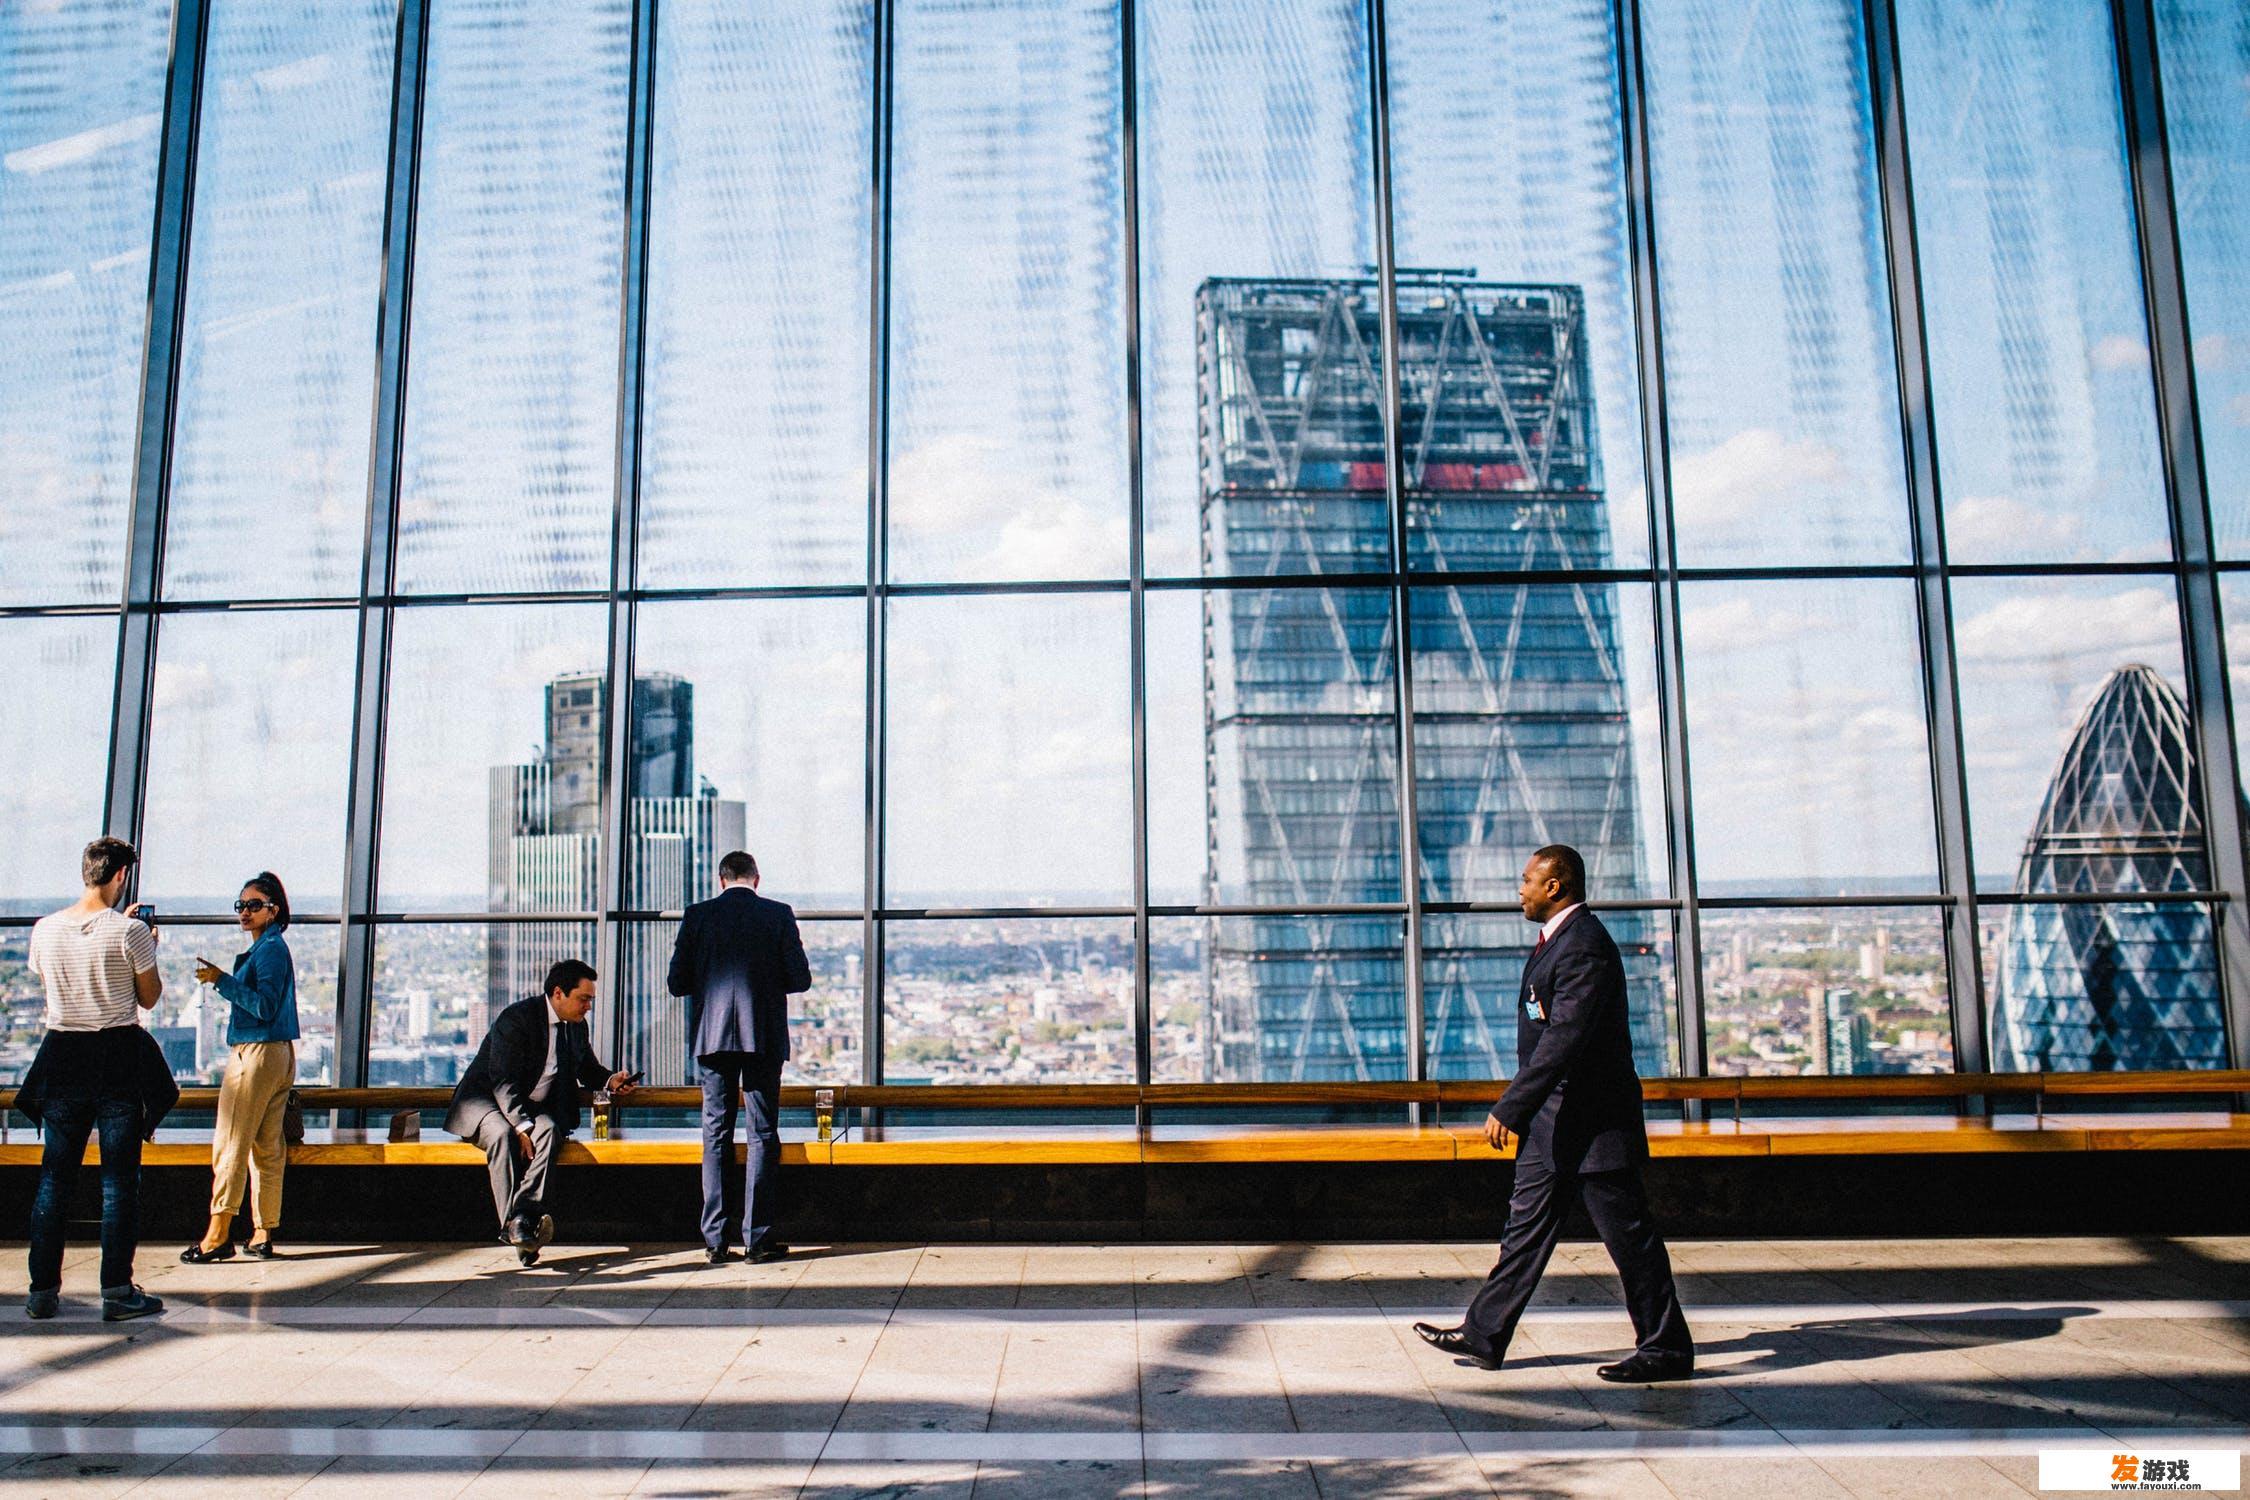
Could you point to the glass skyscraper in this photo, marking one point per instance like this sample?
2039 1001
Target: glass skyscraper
2126 984
545 845
1522 729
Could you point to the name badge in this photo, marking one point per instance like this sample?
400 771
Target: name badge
1533 1008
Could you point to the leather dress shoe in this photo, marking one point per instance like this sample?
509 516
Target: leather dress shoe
1647 1367
1455 1341
196 1255
717 1255
765 1251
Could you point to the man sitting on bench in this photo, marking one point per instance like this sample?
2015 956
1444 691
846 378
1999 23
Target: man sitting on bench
519 1098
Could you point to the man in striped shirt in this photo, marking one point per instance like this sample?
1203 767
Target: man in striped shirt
99 969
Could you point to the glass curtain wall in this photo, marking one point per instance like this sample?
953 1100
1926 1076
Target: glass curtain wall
1140 518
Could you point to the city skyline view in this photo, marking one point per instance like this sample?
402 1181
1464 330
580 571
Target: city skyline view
861 370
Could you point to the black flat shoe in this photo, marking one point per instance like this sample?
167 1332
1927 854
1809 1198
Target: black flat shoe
196 1255
1646 1368
1455 1341
258 1249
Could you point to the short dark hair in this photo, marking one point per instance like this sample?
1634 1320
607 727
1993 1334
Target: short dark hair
104 857
268 885
1566 865
567 975
738 866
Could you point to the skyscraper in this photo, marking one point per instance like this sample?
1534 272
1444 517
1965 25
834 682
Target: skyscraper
2114 986
545 847
1522 732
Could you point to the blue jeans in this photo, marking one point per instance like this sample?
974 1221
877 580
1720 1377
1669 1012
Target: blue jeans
72 1114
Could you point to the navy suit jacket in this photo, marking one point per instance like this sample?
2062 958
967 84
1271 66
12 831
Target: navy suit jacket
507 1068
1575 1099
738 959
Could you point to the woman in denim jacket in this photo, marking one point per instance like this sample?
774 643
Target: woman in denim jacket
261 1066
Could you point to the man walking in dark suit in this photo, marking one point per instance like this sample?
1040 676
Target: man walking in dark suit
519 1098
737 961
1575 1108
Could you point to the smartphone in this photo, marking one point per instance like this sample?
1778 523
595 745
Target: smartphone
144 911
634 1076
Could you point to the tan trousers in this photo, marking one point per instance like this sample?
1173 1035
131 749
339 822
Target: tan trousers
248 1140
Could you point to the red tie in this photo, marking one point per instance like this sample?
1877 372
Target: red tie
1535 947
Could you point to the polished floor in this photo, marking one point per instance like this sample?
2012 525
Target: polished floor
1888 1368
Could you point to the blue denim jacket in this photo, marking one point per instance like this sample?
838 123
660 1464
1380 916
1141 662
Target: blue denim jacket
263 991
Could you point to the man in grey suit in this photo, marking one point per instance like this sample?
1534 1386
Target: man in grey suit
737 961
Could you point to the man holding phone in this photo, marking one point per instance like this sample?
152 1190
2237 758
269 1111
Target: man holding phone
519 1098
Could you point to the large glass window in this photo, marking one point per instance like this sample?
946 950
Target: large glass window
750 732
1810 751
2205 47
511 398
754 440
1019 1001
1009 780
1007 327
1777 341
904 231
1521 400
1826 990
2036 657
1535 722
81 103
277 359
1273 747
249 756
492 765
2031 279
53 762
1255 166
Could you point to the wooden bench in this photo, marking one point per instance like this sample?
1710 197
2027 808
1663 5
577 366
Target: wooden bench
1450 1128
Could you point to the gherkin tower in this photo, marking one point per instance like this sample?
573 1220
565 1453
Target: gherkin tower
2125 985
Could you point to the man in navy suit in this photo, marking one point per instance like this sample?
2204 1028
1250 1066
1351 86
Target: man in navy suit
1575 1108
737 961
519 1098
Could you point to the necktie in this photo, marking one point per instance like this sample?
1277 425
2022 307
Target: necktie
1535 947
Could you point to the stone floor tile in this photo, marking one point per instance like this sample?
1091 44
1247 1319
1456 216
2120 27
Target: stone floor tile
1877 1478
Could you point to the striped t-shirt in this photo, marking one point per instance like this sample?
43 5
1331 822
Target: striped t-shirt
88 961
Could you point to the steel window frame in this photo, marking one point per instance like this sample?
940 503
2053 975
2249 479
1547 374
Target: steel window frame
2194 566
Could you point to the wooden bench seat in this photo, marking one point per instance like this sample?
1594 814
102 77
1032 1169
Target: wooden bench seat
1870 1135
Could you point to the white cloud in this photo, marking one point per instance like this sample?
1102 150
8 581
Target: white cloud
2120 352
1988 524
1742 479
2212 351
975 491
2045 627
2239 410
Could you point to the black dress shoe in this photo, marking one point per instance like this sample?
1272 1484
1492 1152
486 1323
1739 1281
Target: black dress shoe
196 1255
764 1251
1645 1368
258 1249
1456 1341
717 1255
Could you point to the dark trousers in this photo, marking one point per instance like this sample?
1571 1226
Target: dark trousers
754 1078
519 1187
1619 1209
75 1110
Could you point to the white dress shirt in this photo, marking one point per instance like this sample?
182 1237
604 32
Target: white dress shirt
546 1081
1547 929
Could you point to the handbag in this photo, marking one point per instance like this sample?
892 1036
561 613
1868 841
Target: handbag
293 1120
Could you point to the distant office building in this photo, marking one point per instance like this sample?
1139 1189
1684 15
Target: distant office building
1522 729
545 852
2123 986
1838 1031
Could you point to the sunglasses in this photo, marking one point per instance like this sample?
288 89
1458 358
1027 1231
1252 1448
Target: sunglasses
241 906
